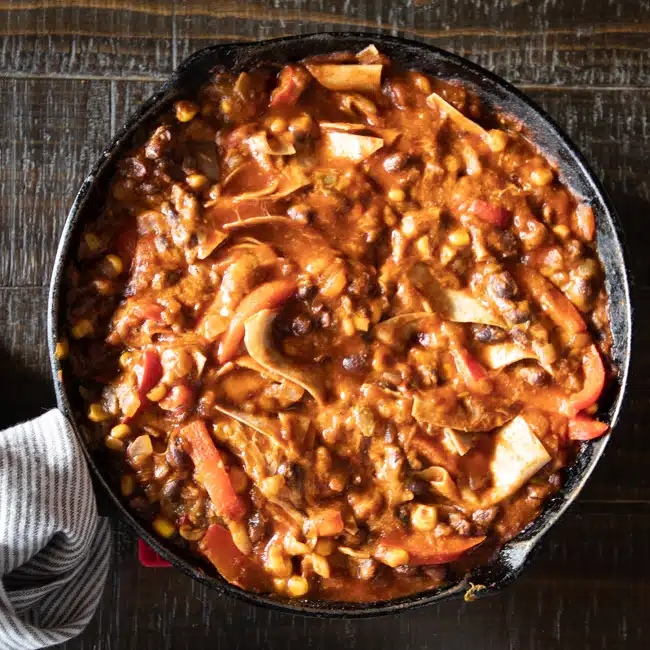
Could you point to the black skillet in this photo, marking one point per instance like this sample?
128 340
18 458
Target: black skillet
494 92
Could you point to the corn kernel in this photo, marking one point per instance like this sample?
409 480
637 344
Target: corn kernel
62 349
103 286
447 253
424 517
121 431
238 479
278 125
196 181
157 392
498 140
239 534
114 264
164 527
423 246
226 105
459 238
185 111
93 242
271 486
293 547
409 226
562 231
297 586
82 329
348 327
320 565
113 443
362 323
191 534
324 547
451 163
277 564
96 413
397 195
279 585
127 485
542 176
389 217
392 557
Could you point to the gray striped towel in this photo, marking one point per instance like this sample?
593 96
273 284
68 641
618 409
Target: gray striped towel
54 549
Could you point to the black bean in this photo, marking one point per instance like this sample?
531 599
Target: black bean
142 507
406 571
172 490
534 375
489 334
307 291
176 456
484 516
403 514
300 325
258 527
520 313
293 473
419 487
325 318
459 524
301 213
356 362
502 285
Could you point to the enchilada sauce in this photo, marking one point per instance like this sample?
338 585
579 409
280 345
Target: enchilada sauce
341 327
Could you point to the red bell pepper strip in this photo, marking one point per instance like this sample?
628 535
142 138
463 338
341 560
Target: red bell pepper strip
266 296
218 546
292 82
469 368
212 472
148 373
594 382
494 214
426 548
552 301
584 428
328 523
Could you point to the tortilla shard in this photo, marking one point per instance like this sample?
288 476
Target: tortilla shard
353 147
461 121
337 76
500 355
518 456
457 305
259 343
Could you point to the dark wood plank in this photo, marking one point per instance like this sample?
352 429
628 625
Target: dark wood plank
527 42
50 135
579 592
73 38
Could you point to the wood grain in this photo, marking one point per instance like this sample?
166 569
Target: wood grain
71 71
586 42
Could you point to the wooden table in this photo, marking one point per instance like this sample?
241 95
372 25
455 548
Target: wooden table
72 71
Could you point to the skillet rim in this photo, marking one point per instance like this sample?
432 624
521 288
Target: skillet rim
510 561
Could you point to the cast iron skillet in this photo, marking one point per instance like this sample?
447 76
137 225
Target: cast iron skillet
496 93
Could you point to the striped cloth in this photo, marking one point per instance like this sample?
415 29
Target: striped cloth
54 549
